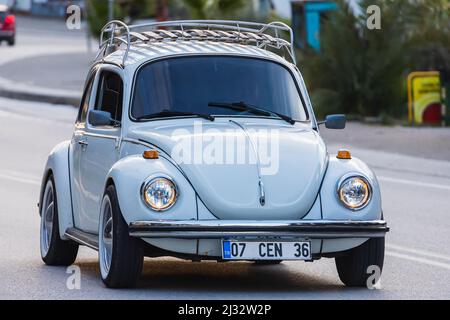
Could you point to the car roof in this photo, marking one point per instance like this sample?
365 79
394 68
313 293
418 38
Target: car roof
141 53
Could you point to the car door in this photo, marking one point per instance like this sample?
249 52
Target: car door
102 146
77 148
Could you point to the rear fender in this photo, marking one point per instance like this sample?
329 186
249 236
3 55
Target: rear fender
58 166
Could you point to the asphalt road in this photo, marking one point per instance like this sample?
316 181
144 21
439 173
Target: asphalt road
416 202
47 55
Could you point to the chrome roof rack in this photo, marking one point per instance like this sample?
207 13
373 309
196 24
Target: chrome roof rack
116 34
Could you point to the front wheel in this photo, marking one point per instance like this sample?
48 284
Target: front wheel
353 266
120 256
54 250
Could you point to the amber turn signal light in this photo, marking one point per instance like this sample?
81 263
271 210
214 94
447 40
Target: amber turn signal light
344 154
150 154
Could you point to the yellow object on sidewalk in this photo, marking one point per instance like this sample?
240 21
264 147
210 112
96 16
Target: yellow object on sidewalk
424 98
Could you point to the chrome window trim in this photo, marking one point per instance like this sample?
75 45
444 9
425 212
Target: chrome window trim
100 135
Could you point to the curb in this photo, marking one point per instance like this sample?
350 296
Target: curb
20 91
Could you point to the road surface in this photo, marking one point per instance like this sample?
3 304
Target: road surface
415 199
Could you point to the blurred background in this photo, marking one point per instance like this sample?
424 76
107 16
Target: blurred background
348 67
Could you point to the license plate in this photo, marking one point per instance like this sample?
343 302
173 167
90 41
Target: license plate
266 250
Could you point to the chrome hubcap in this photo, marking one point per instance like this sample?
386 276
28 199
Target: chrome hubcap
47 215
106 236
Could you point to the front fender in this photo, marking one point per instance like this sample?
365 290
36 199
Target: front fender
128 176
332 209
58 165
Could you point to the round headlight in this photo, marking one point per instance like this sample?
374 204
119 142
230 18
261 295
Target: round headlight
354 192
160 194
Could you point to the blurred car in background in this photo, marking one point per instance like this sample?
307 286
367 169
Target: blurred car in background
7 25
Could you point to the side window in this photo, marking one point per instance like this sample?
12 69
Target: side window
82 113
110 94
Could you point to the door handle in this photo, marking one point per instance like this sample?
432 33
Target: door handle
83 143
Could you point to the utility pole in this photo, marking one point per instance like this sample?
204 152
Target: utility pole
110 10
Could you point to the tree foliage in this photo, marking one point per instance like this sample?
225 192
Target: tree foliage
213 9
126 10
362 71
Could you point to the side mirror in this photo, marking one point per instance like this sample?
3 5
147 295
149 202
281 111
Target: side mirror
100 118
335 121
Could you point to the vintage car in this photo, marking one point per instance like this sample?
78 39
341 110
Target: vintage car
197 140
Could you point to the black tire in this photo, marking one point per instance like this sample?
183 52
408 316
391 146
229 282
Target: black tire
127 252
11 42
60 252
353 266
267 262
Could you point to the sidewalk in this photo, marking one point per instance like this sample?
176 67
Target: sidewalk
48 63
425 142
56 78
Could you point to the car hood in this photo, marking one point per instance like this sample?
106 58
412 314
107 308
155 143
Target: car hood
235 164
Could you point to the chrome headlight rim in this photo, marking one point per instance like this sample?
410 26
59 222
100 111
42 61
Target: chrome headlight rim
346 177
149 181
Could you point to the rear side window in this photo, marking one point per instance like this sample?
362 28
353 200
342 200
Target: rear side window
110 94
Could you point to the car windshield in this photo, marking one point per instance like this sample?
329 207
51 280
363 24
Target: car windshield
198 84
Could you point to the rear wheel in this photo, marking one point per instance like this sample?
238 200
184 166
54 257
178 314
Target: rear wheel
11 42
120 256
54 250
353 266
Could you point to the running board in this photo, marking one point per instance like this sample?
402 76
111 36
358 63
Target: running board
86 239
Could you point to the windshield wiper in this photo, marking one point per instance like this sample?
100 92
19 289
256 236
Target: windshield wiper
174 113
242 106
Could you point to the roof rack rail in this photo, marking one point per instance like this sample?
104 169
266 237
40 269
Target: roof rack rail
116 34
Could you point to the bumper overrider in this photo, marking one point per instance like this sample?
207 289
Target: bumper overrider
216 229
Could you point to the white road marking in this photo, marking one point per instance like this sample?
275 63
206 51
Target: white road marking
418 252
16 178
415 183
418 259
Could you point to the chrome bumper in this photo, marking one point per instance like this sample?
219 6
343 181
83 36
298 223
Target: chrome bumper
214 229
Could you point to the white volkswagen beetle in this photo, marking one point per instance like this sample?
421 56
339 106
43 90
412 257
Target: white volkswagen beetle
197 139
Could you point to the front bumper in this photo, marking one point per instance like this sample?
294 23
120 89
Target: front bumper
216 229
